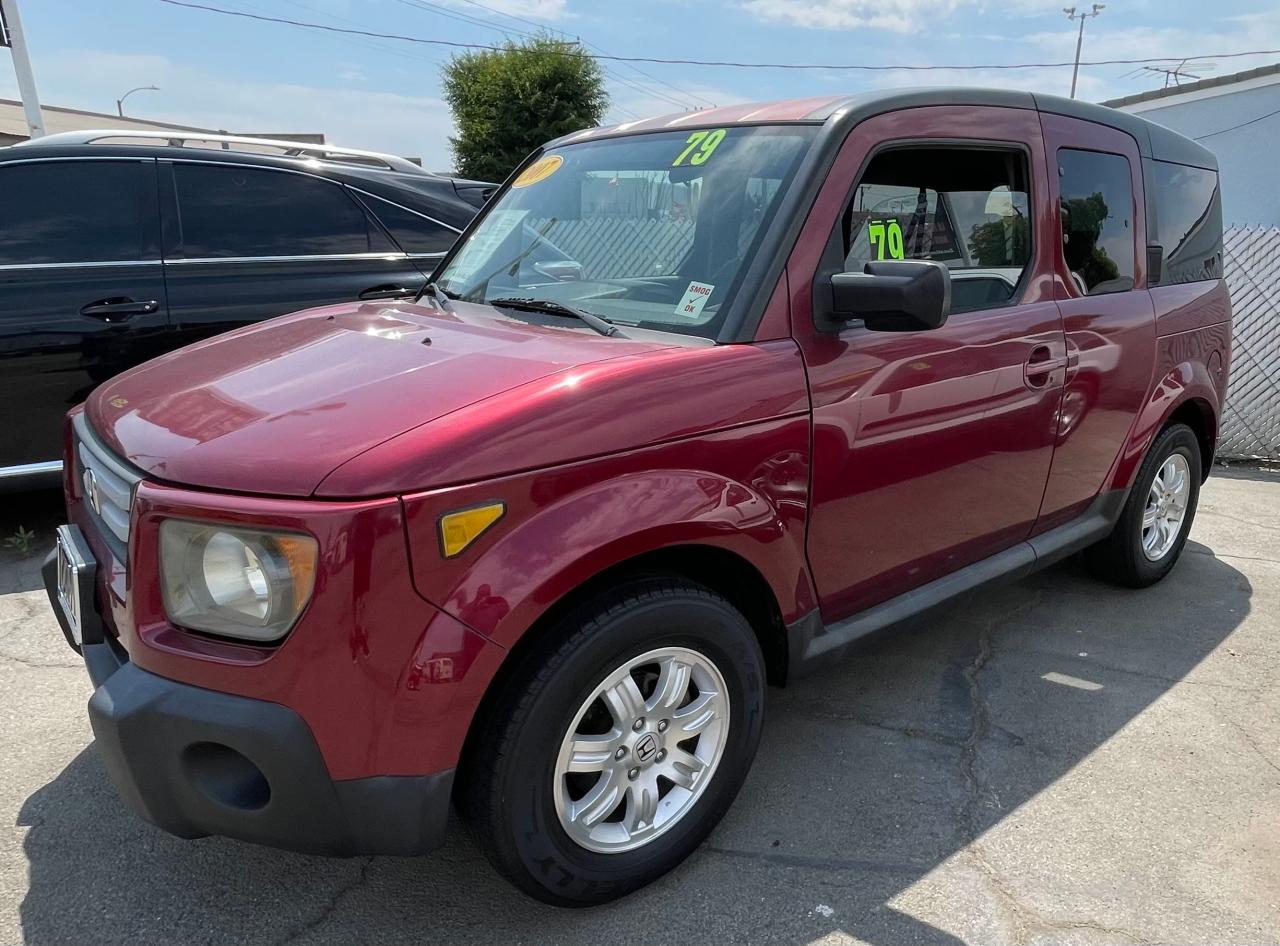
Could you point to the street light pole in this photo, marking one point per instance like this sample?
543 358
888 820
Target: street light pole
141 88
1072 15
13 36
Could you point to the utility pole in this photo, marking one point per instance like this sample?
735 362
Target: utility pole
11 35
1073 15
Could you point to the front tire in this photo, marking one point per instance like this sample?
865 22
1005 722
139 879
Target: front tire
1152 529
619 745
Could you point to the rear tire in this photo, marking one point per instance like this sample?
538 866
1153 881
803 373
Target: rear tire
618 745
1152 529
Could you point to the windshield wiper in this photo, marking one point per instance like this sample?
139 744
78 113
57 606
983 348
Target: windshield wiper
441 296
597 322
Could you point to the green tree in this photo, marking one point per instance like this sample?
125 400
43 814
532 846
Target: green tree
507 102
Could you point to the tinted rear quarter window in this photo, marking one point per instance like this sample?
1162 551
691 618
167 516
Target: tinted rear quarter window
414 232
226 211
1096 196
1188 222
71 212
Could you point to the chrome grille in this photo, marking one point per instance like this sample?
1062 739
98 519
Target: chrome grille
106 484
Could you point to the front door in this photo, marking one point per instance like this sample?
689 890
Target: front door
931 449
82 294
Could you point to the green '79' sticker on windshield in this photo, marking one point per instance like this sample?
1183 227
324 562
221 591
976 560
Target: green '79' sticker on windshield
699 146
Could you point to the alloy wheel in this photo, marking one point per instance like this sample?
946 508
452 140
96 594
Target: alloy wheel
1166 507
642 749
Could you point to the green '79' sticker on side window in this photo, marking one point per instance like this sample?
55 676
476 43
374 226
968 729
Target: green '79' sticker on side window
699 146
886 239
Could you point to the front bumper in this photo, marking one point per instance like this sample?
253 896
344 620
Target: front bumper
197 762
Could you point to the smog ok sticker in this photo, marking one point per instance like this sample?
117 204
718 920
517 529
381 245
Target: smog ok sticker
695 297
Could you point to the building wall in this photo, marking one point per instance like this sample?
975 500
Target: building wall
1247 157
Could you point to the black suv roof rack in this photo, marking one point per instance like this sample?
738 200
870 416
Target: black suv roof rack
212 141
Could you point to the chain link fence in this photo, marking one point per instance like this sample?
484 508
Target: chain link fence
1251 419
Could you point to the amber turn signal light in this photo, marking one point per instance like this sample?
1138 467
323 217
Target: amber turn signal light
460 528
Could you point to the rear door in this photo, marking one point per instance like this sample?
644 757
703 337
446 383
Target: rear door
1099 234
82 293
246 243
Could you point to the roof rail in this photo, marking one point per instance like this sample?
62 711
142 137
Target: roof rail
244 143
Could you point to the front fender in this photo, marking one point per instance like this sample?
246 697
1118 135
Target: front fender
743 490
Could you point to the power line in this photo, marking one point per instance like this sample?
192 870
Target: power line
657 90
1223 131
844 67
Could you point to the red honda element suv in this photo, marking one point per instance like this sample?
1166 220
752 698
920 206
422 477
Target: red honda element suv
695 405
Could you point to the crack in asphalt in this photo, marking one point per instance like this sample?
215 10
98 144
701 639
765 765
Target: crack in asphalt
40 664
1243 558
807 710
362 877
822 863
1244 734
1025 919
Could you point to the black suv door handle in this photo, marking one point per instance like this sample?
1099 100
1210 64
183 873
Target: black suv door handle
118 309
388 291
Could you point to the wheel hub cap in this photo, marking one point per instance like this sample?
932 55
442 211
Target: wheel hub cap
641 750
1166 507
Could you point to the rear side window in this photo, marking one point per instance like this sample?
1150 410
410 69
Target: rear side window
1188 222
967 208
226 211
414 232
71 212
1095 193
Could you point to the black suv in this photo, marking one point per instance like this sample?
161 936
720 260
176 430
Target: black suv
119 246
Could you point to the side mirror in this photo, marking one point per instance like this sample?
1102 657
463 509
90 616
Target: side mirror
561 270
894 295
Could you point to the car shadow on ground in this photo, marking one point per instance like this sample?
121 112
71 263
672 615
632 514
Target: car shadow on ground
870 775
38 514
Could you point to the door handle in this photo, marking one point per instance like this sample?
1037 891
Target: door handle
1041 365
118 309
388 292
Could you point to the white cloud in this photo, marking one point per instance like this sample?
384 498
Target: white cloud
406 124
899 16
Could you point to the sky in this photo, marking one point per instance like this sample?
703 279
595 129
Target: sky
218 71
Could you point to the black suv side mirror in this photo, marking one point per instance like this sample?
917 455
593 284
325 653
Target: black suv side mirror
894 295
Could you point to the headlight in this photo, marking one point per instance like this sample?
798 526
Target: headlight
241 583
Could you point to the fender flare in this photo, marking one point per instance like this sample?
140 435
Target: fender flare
532 564
1187 382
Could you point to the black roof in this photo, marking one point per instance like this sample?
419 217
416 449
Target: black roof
432 194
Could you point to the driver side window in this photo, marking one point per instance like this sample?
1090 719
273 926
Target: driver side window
967 208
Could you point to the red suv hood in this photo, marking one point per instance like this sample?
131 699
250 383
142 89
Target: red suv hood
275 407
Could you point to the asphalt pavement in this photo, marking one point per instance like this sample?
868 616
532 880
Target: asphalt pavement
1056 761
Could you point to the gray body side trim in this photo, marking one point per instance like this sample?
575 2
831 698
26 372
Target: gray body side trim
813 644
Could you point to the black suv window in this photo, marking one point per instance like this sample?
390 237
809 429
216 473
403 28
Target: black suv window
1096 202
70 212
231 211
967 208
414 232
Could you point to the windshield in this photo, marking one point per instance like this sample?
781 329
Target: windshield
649 230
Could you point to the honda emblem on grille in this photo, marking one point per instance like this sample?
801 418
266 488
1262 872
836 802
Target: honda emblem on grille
91 492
